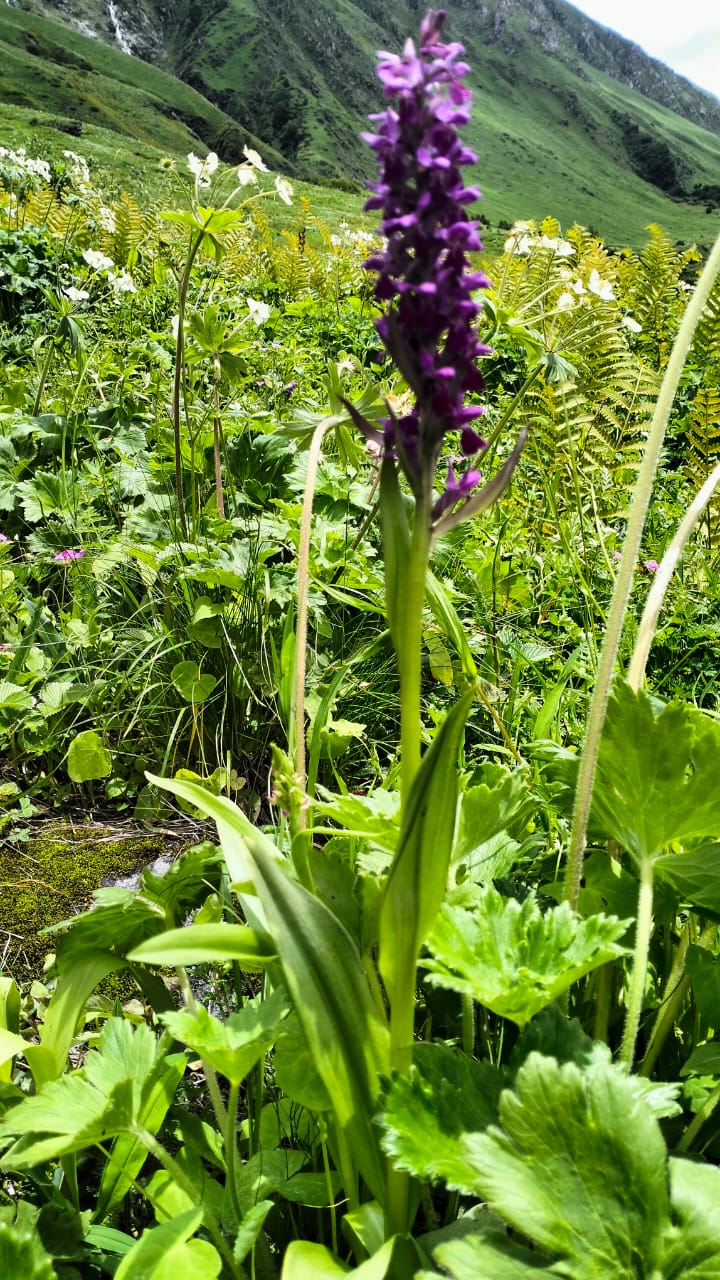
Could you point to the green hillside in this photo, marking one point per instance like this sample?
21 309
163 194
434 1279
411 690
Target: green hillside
53 71
557 126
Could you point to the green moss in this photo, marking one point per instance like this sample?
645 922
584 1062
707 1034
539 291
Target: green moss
53 877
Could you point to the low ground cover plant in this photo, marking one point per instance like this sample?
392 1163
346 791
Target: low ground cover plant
442 999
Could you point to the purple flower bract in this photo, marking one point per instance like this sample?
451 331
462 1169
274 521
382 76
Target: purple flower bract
424 272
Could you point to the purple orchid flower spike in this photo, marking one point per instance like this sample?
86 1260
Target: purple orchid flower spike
423 271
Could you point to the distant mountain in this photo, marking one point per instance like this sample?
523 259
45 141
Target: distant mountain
569 118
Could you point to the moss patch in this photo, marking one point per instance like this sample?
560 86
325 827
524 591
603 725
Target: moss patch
52 877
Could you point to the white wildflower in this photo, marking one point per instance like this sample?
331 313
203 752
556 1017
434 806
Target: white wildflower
254 159
565 302
76 295
579 287
335 241
520 244
79 170
259 311
121 282
284 189
37 168
202 170
246 175
601 288
564 249
98 261
631 324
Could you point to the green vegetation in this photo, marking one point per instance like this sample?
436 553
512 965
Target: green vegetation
442 999
567 117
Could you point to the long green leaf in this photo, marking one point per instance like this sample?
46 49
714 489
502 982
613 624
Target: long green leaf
418 876
205 943
445 614
75 983
323 973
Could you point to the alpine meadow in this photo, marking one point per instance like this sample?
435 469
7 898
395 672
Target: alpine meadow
359 645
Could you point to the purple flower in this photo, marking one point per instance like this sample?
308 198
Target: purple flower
424 272
4 537
61 557
651 565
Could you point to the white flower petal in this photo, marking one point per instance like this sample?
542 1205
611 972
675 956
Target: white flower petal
255 159
284 189
259 311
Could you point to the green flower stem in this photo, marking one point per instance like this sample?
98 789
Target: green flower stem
664 1023
603 992
676 988
408 642
643 930
177 380
208 1071
661 580
43 377
624 581
409 649
507 415
231 1150
297 744
468 1024
178 1175
698 1121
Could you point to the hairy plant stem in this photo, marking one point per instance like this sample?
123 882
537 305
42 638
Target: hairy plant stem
623 584
643 930
661 581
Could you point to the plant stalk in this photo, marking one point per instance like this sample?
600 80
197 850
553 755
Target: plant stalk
636 993
623 584
698 1120
410 651
663 576
303 581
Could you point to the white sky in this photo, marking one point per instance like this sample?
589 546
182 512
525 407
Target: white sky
684 36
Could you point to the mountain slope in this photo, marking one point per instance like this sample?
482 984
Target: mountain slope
569 119
48 67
